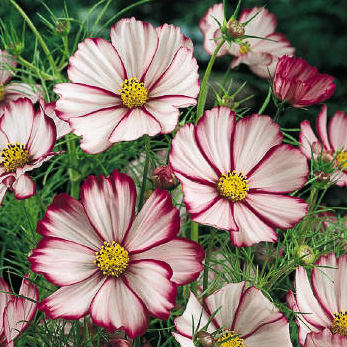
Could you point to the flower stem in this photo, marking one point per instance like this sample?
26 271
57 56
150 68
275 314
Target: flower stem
266 101
73 173
207 259
194 236
204 83
147 142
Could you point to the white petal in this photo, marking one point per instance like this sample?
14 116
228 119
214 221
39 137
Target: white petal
310 146
325 339
341 283
15 90
338 131
6 61
183 341
3 189
4 298
322 129
23 187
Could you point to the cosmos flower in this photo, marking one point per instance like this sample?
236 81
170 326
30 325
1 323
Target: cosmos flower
245 317
324 305
325 339
236 176
261 55
16 312
10 91
130 87
109 263
26 140
300 84
331 143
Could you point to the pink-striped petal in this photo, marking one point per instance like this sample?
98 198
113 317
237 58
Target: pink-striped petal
96 128
213 134
184 257
150 280
280 211
66 219
193 319
253 137
73 302
115 306
136 123
325 339
63 262
110 204
23 187
338 131
15 91
225 302
341 283
6 61
4 298
88 98
309 144
322 129
282 170
156 223
182 340
3 189
251 229
133 39
96 63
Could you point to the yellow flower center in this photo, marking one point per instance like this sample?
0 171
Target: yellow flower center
2 92
230 339
340 324
14 156
133 93
341 159
244 48
112 259
233 186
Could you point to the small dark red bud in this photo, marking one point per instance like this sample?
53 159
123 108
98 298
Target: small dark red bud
235 28
205 339
163 177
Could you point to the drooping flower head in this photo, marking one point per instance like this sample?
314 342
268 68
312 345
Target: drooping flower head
331 143
16 312
324 305
235 176
26 140
130 87
114 265
300 84
10 91
260 54
241 318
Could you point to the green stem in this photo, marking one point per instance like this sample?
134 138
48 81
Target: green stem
208 258
73 173
266 101
204 83
280 108
35 68
38 36
194 236
147 141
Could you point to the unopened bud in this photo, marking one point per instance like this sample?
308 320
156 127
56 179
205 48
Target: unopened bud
163 177
322 177
235 28
205 339
327 157
15 48
227 101
306 254
63 27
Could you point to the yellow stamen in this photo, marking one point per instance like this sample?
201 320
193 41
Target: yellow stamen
244 48
2 92
233 186
14 156
341 159
112 259
340 324
133 93
230 339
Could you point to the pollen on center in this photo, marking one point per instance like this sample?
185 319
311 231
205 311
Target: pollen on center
341 159
14 156
133 93
340 323
230 339
233 186
112 259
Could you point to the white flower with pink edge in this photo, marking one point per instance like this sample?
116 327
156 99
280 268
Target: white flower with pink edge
324 305
236 175
118 267
240 318
130 87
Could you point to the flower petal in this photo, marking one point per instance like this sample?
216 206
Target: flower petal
280 211
63 262
321 125
338 131
341 283
134 124
115 306
4 298
251 229
136 43
308 140
15 90
183 256
3 189
183 341
156 223
150 280
225 302
97 63
282 170
110 204
213 134
6 61
72 302
325 339
23 187
66 219
253 137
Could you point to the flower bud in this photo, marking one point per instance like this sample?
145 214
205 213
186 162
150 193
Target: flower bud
306 254
322 177
235 28
63 27
205 339
15 48
163 177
